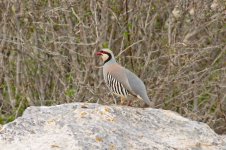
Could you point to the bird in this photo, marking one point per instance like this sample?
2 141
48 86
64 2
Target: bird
122 81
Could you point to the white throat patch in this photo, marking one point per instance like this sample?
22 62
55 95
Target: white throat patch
104 57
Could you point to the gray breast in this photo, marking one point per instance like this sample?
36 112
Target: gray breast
115 86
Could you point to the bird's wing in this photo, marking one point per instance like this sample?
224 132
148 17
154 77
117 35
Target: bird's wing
136 83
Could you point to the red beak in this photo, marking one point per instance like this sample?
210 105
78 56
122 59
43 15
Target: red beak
98 53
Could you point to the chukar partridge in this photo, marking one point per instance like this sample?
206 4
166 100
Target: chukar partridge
120 80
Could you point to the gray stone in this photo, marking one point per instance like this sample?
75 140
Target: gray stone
92 126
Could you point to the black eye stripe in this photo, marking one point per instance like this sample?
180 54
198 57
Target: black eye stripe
105 52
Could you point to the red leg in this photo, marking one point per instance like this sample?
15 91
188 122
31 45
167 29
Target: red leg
129 103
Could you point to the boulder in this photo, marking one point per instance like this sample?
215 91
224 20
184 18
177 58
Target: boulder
92 126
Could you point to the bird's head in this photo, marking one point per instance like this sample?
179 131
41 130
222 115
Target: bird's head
106 55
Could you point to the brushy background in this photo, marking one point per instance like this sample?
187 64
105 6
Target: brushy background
178 48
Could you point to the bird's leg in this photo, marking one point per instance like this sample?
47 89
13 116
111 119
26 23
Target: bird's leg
123 99
129 103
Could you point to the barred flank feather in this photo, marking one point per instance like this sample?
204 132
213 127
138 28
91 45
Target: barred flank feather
115 86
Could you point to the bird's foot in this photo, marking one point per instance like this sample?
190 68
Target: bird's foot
122 103
123 100
129 103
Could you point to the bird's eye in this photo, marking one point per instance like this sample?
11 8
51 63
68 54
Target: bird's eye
103 52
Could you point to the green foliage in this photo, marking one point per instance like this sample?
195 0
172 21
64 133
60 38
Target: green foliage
126 34
69 78
1 120
70 92
159 23
204 97
105 45
88 14
130 25
20 105
10 118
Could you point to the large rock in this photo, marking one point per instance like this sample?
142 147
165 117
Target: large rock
93 126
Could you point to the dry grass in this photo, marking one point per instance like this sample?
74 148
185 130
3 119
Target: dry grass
177 48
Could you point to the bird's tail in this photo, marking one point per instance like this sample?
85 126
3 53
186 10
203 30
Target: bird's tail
146 99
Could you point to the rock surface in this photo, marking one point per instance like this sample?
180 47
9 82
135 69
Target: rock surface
92 126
